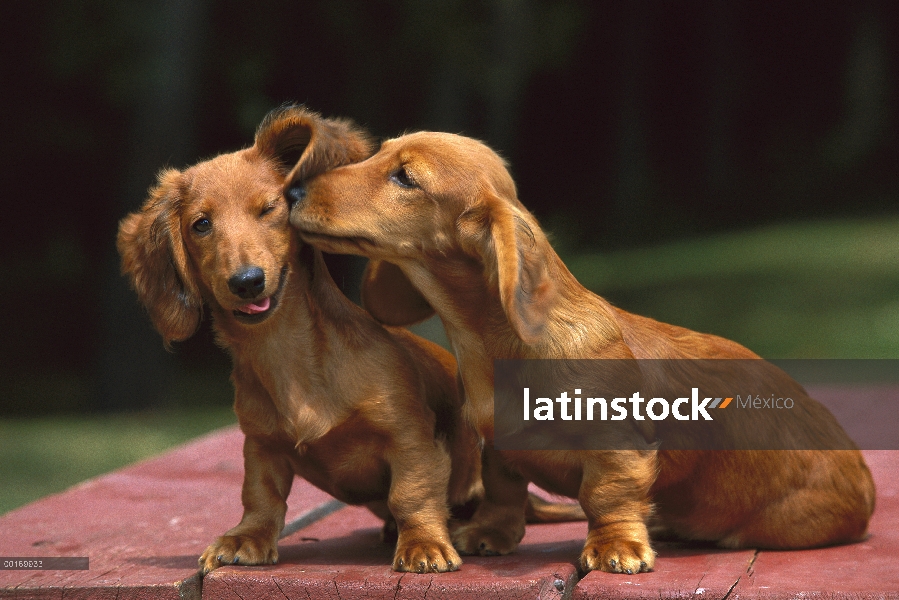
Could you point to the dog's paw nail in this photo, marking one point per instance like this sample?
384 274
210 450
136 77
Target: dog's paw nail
421 567
219 557
612 563
629 572
483 546
235 561
642 565
434 566
401 563
449 565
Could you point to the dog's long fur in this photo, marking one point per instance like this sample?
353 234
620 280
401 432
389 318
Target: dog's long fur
438 215
370 415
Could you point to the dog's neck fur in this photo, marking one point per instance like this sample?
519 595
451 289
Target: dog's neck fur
479 331
299 337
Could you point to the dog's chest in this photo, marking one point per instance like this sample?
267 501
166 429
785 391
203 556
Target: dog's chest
304 407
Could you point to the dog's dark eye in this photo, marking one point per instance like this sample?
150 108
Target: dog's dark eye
402 178
202 225
267 209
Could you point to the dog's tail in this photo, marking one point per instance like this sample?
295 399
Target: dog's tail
539 510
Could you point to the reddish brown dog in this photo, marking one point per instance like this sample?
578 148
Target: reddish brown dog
439 215
370 415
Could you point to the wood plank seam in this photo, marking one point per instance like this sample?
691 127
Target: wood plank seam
311 516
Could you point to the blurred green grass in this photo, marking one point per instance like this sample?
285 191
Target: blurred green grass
802 290
43 455
826 289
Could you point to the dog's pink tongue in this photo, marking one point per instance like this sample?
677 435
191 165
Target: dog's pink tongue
252 309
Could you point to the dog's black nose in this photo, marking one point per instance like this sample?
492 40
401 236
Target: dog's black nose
295 193
248 283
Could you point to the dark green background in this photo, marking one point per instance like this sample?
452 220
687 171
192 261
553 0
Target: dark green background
730 166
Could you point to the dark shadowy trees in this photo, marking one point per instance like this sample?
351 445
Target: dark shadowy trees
624 123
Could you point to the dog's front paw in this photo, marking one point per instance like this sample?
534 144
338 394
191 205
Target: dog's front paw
426 557
618 556
240 549
474 538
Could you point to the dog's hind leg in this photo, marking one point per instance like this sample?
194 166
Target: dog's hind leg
832 507
497 525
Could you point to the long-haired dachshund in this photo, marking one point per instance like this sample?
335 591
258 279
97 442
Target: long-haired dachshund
439 216
370 415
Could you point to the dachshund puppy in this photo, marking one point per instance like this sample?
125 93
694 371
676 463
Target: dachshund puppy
439 216
367 414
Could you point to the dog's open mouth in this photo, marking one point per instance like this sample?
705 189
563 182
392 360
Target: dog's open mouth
335 243
259 310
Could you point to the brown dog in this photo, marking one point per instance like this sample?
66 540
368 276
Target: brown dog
443 210
321 390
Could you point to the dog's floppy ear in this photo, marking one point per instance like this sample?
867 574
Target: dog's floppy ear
305 144
520 257
155 261
390 297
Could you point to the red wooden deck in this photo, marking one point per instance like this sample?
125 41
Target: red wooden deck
144 526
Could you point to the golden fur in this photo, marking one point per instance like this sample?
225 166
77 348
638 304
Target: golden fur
439 216
370 415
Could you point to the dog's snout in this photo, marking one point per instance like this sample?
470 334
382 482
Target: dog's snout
295 193
248 283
